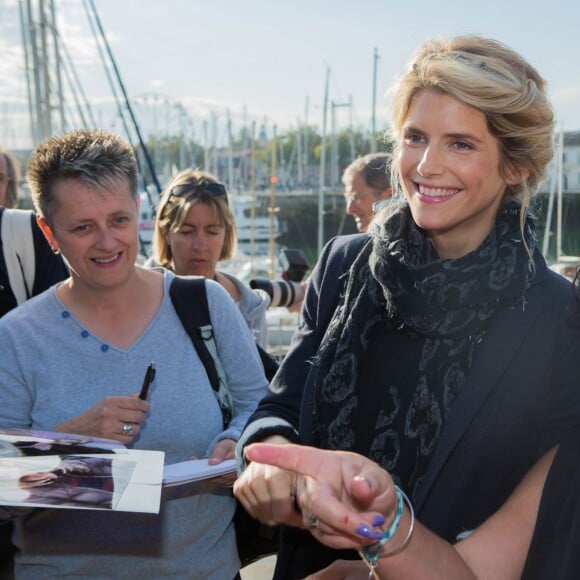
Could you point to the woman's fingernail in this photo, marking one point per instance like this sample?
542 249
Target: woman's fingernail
364 531
360 478
378 521
377 535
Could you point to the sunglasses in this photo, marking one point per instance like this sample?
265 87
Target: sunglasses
215 189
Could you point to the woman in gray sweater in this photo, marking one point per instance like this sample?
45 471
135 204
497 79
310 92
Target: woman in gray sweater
73 360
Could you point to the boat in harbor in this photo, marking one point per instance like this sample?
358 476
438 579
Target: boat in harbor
259 227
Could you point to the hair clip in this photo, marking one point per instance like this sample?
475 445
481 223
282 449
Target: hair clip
481 65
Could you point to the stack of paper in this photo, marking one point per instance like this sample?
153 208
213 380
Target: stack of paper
196 470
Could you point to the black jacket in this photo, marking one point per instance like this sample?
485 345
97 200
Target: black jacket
521 394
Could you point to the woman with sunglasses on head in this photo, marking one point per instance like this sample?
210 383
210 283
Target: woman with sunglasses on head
73 360
194 230
441 346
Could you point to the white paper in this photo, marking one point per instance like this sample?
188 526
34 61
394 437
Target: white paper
143 494
196 470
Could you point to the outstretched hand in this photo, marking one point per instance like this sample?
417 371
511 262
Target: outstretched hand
345 498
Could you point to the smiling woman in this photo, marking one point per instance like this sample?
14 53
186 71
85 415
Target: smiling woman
96 229
424 346
449 168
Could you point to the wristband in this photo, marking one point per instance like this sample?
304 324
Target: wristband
372 553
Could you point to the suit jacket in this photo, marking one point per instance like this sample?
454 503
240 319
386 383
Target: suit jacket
521 394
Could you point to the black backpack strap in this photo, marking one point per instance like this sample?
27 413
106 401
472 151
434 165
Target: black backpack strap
189 299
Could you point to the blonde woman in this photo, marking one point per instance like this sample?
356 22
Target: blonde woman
447 356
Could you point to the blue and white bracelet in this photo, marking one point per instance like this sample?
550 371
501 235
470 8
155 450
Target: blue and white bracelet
371 554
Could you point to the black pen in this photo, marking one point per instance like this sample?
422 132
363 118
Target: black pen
149 376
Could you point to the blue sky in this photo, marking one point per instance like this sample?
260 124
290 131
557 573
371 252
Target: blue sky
261 60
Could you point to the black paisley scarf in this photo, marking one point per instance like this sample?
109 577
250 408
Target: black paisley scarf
447 303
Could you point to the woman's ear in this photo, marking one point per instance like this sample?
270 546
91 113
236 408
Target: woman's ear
47 231
514 174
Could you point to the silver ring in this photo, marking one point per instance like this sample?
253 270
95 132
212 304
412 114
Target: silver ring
128 429
312 521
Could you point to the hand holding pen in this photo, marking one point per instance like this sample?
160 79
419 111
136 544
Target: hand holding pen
114 417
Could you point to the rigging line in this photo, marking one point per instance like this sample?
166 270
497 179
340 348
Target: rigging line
292 159
68 66
37 128
75 83
57 58
27 70
108 75
121 116
126 98
123 120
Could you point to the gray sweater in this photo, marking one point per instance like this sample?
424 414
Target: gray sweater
53 369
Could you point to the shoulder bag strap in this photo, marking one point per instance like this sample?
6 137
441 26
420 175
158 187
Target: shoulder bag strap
18 247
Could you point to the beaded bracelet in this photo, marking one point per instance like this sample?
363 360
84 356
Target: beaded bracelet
371 554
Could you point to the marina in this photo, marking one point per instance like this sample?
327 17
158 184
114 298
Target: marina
481 393
283 179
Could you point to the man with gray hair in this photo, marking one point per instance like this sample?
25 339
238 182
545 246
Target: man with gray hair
366 180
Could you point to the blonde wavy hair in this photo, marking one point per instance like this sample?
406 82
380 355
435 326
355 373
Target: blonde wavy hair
173 210
493 78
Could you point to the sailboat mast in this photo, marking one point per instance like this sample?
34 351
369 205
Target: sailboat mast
306 170
273 208
322 166
374 110
127 101
549 213
253 197
25 44
57 61
299 165
559 207
230 155
47 108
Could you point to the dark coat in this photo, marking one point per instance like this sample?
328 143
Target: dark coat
521 394
50 268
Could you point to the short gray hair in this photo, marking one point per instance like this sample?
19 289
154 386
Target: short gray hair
96 158
375 169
